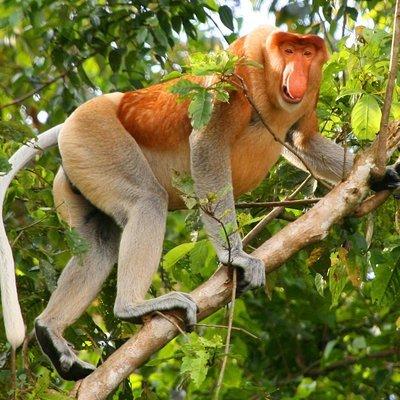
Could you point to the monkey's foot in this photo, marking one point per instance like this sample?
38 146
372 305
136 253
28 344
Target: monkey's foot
169 301
391 179
67 364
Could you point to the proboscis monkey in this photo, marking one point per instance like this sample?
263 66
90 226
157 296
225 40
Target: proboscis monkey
118 154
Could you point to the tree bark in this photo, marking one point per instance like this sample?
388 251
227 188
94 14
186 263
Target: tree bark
215 293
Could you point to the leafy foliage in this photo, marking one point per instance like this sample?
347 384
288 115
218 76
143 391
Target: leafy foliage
220 66
330 326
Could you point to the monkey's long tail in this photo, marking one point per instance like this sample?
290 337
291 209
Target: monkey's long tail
13 322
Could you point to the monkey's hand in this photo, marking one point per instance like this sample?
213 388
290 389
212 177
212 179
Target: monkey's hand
251 269
391 179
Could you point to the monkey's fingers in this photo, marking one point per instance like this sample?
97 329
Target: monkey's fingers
251 273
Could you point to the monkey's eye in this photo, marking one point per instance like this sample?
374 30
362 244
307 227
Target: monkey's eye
289 51
307 53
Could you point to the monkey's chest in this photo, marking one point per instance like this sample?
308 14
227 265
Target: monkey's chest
252 156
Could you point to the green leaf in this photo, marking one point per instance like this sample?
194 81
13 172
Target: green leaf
366 117
50 275
226 16
115 59
198 351
84 77
386 284
211 4
329 347
185 88
349 92
222 95
352 12
176 254
202 258
337 278
395 110
196 367
5 166
320 284
200 109
185 184
171 75
359 343
306 387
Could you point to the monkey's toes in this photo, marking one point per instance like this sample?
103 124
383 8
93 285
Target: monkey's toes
67 364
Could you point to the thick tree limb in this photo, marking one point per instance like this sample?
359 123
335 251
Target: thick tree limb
213 294
344 199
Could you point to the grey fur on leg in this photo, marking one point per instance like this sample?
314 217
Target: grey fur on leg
80 280
167 302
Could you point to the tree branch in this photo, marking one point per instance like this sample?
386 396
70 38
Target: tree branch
34 91
282 203
216 292
350 360
381 143
311 227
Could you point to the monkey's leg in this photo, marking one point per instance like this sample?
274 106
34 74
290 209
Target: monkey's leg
80 280
107 165
139 255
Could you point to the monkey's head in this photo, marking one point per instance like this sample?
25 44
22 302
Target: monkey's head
293 65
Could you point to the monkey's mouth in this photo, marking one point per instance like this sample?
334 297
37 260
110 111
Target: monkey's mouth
287 96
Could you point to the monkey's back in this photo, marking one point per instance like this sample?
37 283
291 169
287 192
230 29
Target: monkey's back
155 117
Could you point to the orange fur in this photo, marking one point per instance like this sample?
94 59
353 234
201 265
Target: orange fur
161 126
154 117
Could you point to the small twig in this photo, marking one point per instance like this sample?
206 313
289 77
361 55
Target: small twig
234 328
13 368
170 320
326 33
381 143
25 354
211 214
350 360
271 215
217 26
283 203
228 336
35 91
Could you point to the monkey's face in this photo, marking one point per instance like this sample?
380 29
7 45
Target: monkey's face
295 63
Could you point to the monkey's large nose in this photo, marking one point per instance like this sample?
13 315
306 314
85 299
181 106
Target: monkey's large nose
296 86
289 95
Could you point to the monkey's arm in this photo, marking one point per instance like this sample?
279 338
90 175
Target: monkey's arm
327 159
211 171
